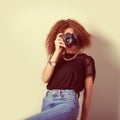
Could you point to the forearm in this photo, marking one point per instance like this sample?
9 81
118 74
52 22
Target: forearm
85 110
87 98
48 70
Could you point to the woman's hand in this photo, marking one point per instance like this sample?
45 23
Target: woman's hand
59 43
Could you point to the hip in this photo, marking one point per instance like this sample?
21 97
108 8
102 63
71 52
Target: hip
61 96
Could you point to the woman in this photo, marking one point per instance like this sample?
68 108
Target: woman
67 73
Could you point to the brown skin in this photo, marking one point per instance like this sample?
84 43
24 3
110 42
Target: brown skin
87 98
48 71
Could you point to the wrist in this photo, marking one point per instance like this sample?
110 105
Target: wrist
52 63
57 52
55 56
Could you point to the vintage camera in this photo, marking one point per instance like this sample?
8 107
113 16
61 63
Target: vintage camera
69 39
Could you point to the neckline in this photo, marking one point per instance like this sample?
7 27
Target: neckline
74 54
71 56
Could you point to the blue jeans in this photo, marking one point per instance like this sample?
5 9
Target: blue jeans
58 105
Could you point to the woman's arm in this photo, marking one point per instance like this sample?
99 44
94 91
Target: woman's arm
48 70
87 97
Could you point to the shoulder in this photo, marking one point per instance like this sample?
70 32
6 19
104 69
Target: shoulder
88 59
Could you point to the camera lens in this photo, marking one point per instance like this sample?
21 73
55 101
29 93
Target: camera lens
68 41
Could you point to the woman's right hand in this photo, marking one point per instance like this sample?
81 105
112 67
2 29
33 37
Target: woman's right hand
59 43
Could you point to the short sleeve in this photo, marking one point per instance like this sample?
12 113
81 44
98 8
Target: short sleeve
89 67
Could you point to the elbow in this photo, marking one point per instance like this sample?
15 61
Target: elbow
44 79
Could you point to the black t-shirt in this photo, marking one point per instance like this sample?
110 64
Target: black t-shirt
72 74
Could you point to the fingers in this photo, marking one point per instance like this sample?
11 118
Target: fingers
59 41
61 44
59 34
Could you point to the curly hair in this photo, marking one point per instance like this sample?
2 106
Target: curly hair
60 26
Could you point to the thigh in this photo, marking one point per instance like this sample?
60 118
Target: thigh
45 105
59 112
64 106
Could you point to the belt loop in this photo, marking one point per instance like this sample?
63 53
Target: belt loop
59 92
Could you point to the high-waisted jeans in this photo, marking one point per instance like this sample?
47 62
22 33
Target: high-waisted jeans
58 105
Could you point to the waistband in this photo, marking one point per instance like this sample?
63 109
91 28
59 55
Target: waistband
59 91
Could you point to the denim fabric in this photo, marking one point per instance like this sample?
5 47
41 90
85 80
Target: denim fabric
58 105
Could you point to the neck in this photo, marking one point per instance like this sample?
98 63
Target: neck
73 57
72 50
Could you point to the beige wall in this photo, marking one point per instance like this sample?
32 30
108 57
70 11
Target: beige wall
24 25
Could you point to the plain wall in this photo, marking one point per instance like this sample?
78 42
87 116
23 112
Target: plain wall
24 25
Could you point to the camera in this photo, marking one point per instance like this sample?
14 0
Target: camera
69 39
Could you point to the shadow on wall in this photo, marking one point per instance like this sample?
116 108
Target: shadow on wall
105 99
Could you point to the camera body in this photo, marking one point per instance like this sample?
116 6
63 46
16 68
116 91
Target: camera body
69 39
